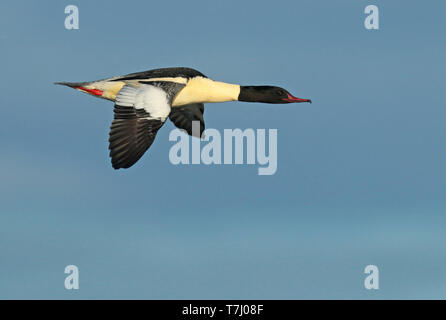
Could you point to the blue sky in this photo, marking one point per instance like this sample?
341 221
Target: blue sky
360 176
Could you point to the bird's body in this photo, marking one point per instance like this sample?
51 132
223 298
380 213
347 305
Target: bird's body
144 100
197 87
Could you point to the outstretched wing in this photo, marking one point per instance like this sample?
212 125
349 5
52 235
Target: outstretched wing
139 113
184 116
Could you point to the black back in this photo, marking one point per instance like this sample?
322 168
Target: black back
163 73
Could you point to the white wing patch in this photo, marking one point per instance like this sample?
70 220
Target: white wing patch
150 98
126 96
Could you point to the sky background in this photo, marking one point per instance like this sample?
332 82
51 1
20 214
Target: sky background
361 173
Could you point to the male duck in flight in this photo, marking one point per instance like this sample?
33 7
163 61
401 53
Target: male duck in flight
144 100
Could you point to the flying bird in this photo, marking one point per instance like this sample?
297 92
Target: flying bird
144 100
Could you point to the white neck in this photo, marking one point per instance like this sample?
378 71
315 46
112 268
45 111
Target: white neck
202 90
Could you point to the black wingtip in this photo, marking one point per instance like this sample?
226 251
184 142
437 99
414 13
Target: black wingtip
117 165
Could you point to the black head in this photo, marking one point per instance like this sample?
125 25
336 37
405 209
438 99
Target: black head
267 94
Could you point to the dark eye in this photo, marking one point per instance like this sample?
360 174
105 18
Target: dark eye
280 92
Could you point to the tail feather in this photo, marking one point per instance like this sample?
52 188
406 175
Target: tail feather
101 89
73 85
